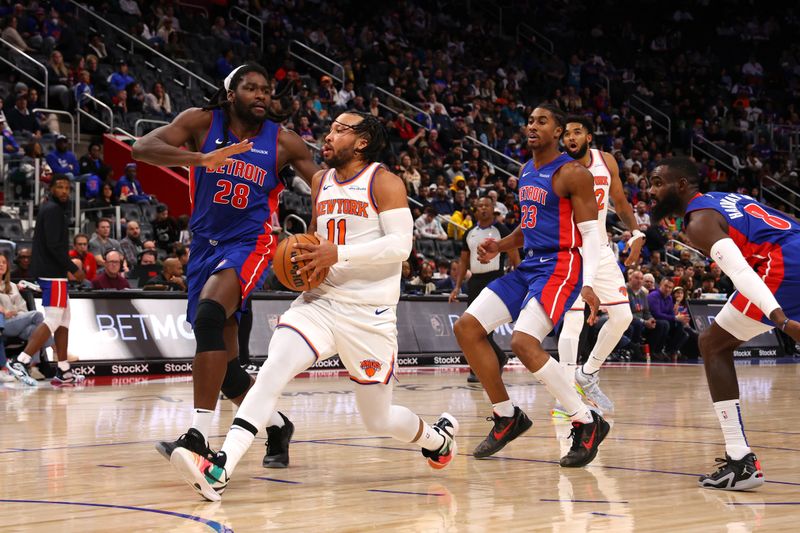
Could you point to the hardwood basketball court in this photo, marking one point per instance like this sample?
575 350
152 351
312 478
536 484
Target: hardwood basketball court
83 460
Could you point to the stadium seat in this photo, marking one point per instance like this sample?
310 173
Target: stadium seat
11 229
426 247
446 249
130 211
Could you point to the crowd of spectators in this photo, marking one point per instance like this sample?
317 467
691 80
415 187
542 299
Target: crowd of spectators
458 91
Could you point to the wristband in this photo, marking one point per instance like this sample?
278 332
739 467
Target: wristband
783 326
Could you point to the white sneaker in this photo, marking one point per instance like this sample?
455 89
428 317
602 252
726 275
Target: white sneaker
5 377
590 387
20 371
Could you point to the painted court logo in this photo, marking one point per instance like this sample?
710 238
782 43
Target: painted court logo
370 367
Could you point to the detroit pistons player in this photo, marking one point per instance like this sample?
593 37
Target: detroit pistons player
609 284
361 215
758 248
556 202
236 149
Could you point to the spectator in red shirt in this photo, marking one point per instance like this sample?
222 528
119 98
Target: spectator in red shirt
111 277
80 249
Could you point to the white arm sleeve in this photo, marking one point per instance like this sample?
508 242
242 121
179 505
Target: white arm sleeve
730 259
591 250
393 247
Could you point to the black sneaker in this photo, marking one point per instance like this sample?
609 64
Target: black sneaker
192 440
278 438
472 378
586 438
447 427
743 474
506 429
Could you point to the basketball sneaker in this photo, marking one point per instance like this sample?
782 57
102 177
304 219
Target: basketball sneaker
506 429
472 378
278 438
192 440
206 475
744 474
20 371
590 387
67 377
447 427
586 438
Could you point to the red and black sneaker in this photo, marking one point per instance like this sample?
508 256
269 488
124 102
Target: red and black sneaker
506 429
586 438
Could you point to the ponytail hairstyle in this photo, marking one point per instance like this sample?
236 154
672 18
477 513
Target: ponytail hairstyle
220 98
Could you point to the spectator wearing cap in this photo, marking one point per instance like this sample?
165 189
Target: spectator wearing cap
128 188
165 228
121 78
21 120
111 277
62 160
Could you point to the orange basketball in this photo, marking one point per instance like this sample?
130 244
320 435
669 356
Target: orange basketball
286 271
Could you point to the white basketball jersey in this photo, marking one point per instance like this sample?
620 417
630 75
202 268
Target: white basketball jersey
602 183
346 214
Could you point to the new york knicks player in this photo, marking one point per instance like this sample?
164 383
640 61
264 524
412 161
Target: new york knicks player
365 227
556 196
758 248
236 150
609 284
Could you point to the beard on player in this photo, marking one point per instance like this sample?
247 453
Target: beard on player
669 204
253 114
336 159
577 152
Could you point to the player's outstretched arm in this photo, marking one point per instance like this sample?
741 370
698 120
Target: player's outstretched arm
578 183
162 146
295 152
624 211
707 230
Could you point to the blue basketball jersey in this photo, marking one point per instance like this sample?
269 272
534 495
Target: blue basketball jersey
756 229
546 219
235 201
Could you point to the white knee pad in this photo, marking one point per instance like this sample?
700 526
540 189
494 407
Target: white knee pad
56 317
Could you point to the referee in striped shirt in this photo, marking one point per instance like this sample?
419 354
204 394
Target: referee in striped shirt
482 273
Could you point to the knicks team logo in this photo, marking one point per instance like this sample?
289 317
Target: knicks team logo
370 367
623 291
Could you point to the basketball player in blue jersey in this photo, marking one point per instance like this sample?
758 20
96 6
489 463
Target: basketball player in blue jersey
361 214
758 248
609 283
557 200
236 149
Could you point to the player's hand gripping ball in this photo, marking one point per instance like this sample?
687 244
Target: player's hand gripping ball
286 270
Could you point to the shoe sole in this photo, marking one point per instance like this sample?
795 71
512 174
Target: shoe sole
606 406
527 424
182 460
272 463
454 450
603 431
746 484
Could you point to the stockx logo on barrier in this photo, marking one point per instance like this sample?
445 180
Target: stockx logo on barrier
84 370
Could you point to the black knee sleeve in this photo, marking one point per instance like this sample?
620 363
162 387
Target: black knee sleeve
236 381
209 322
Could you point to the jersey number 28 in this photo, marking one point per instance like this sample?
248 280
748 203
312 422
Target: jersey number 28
237 195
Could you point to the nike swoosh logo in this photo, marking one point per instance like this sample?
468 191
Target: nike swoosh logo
381 311
498 436
219 142
527 174
326 187
545 259
588 444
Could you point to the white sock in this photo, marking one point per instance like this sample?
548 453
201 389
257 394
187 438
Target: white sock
619 318
730 419
63 366
201 421
552 376
276 420
430 439
504 409
235 446
24 358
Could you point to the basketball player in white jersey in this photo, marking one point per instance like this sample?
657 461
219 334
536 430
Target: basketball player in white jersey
365 227
609 284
